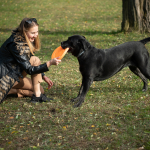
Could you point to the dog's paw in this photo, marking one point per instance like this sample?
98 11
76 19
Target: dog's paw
144 90
145 87
74 100
78 104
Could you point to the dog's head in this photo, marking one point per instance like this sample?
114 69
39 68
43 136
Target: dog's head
76 44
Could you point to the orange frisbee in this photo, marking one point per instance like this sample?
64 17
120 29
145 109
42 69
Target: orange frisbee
59 52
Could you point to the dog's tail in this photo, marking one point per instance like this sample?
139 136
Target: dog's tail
144 41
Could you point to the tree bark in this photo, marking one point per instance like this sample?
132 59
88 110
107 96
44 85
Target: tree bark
135 15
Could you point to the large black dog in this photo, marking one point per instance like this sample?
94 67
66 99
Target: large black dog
97 64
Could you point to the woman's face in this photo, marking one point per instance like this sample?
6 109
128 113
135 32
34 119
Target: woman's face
32 33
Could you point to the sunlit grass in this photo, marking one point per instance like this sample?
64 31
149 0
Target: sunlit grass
115 114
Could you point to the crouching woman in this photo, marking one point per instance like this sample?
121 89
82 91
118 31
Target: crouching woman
17 60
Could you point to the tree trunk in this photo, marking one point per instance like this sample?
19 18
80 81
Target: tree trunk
135 15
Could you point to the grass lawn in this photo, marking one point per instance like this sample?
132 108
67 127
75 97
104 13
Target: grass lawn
115 114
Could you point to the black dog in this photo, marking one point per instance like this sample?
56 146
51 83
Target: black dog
97 64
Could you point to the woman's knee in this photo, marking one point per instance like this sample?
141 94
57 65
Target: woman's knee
35 61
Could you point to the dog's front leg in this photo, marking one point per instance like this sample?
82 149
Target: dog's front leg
86 83
80 91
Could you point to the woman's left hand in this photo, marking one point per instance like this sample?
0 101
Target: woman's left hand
49 82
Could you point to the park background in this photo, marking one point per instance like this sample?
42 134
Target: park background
115 114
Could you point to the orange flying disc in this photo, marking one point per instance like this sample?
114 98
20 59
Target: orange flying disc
59 52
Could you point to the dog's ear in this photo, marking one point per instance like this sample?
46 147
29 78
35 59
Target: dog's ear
85 44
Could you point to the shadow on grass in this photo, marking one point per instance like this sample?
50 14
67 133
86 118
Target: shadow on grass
67 93
72 92
68 32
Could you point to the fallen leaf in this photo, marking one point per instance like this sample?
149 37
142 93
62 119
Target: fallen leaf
11 117
108 124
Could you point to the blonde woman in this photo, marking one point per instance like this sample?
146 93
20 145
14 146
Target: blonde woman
17 60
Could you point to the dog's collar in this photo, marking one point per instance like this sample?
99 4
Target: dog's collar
80 54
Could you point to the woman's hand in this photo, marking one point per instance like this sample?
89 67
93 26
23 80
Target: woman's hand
49 82
54 61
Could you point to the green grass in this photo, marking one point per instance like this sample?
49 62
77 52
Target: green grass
115 114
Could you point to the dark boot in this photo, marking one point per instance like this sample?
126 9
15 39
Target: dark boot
40 99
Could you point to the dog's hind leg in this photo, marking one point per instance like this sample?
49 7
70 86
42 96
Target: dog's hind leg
137 72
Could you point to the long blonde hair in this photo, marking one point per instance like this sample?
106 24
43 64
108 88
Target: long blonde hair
24 26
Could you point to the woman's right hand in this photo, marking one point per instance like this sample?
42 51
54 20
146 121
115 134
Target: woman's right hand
54 61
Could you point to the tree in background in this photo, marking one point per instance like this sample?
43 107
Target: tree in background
135 15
